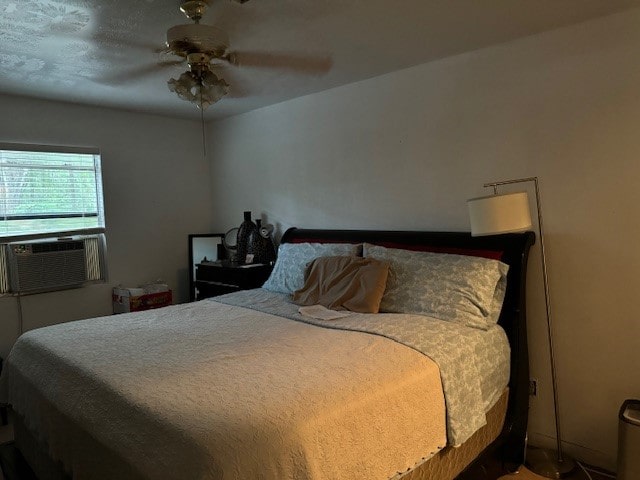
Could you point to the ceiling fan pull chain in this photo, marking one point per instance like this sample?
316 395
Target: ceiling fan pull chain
204 140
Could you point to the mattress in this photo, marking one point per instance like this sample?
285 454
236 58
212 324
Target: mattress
210 389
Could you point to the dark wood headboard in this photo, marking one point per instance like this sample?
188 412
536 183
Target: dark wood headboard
512 249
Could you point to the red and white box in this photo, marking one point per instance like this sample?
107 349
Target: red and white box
148 297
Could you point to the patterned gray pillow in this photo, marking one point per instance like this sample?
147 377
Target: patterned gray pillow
457 288
288 272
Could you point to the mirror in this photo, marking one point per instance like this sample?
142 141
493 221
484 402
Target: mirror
203 247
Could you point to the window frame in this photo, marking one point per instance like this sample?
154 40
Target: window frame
100 213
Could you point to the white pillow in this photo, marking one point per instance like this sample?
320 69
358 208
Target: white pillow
288 273
458 288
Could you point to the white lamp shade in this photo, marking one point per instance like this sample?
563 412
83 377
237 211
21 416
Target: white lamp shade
497 214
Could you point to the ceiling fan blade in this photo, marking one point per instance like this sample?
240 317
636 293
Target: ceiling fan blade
171 62
311 65
136 73
110 40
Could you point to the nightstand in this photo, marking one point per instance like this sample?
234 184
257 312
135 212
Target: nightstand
218 278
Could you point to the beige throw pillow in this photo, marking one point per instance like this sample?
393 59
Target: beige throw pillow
344 283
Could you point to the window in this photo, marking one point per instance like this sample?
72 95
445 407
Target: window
51 219
49 191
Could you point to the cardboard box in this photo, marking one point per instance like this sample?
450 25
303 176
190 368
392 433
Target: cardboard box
138 299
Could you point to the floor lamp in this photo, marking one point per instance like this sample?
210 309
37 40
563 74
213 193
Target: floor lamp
508 213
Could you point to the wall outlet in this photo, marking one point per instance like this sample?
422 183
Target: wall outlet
533 387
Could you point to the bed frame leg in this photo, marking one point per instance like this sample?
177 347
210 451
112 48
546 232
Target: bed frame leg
513 452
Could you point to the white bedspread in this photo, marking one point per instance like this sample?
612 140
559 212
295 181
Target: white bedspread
473 363
210 391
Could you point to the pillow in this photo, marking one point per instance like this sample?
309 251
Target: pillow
498 299
457 288
420 247
288 272
344 283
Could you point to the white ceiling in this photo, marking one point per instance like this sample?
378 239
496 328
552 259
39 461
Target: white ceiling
103 52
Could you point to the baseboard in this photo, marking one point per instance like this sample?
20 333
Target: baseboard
578 452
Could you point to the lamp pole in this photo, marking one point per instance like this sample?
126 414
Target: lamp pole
541 461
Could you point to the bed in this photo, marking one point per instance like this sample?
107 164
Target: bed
245 386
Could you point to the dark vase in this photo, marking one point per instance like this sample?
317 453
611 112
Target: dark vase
244 232
260 244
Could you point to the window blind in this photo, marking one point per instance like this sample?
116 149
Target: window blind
49 190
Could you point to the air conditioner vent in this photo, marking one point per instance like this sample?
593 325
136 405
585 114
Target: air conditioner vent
40 266
45 247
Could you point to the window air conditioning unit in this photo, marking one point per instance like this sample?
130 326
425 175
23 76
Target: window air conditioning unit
51 264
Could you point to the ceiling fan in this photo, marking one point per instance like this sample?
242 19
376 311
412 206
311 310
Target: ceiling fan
203 47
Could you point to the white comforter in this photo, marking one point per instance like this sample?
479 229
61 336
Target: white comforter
210 391
474 363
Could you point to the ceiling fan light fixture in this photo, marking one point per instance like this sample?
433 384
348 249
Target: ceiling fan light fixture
203 89
183 85
214 87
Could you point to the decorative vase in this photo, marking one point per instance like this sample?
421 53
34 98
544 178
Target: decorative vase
260 244
244 232
230 244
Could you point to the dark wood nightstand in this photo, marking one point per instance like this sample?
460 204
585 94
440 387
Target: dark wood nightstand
218 278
